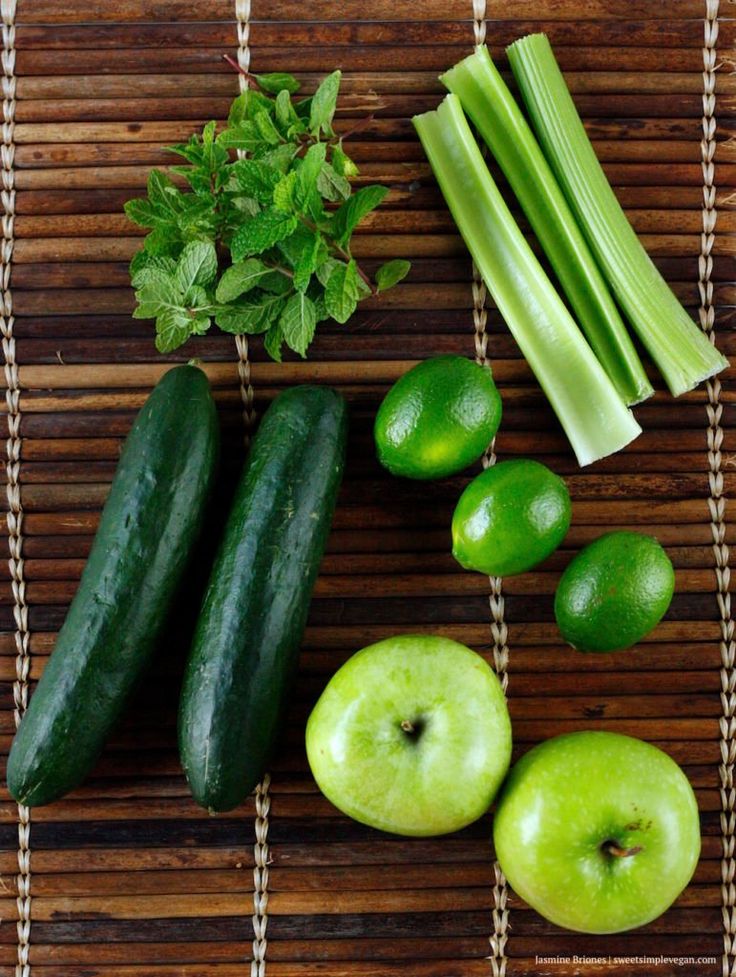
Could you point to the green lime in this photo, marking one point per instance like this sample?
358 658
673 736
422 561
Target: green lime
438 418
614 592
511 517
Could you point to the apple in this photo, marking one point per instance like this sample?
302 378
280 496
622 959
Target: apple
596 831
412 735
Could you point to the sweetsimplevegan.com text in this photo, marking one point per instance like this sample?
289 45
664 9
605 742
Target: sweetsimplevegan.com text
613 960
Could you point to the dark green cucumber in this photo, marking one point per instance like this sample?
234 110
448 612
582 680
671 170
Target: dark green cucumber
247 638
150 522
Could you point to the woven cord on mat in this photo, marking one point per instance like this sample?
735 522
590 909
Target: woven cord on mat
716 501
242 14
499 630
15 509
262 799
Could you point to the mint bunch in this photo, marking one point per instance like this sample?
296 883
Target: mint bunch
259 244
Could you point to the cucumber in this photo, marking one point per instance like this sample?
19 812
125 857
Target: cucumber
150 522
246 641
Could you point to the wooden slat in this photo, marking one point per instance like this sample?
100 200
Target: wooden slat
161 85
130 879
99 37
82 11
427 57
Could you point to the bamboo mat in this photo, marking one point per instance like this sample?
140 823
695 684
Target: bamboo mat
127 877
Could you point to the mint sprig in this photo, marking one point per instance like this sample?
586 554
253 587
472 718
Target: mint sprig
259 244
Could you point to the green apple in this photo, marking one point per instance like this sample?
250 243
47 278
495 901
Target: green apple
412 735
598 832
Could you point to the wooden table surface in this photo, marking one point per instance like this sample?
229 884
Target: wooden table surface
127 877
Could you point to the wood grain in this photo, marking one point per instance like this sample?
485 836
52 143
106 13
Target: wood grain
129 878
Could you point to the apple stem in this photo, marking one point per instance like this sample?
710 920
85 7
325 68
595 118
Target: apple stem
613 848
408 726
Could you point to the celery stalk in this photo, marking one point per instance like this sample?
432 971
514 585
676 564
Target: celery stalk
485 97
594 416
681 351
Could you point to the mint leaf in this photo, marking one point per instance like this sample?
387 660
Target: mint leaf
283 194
240 278
213 155
252 315
247 105
297 322
145 266
164 240
162 207
276 282
284 110
160 293
244 135
331 185
342 291
342 162
391 273
173 328
275 81
254 178
267 130
141 212
236 114
261 233
352 212
323 104
280 157
197 265
274 201
308 173
326 268
306 264
320 308
196 300
292 246
191 150
274 341
162 191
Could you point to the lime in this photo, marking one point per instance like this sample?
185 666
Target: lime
614 592
438 418
510 518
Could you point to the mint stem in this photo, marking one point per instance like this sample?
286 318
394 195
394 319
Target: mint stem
360 124
234 64
280 268
338 249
